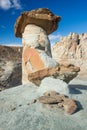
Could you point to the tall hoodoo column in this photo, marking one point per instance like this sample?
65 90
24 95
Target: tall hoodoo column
34 27
36 51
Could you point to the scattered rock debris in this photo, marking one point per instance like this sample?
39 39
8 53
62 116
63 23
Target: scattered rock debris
56 100
12 108
33 101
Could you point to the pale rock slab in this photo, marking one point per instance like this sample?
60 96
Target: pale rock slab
51 84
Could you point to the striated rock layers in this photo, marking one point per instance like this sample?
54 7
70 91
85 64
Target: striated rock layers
72 49
10 66
72 46
63 72
10 74
36 51
41 17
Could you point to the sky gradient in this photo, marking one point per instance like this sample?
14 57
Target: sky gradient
73 13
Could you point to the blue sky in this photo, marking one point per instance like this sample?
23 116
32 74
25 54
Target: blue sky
73 13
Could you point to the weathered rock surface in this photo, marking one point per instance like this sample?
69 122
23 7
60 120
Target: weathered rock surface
41 17
50 100
72 49
63 72
72 46
36 37
11 74
56 100
70 106
10 53
49 83
36 51
10 66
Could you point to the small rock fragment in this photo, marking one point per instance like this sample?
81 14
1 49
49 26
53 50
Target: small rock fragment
60 105
50 99
20 105
28 103
70 106
33 101
12 108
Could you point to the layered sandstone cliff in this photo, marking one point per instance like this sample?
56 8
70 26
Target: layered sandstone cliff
72 49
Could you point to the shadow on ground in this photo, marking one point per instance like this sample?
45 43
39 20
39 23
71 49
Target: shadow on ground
80 107
76 89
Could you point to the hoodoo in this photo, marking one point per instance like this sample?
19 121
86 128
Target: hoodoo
33 27
37 62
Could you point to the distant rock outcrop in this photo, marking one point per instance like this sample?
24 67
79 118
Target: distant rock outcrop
72 49
73 46
10 74
10 53
10 66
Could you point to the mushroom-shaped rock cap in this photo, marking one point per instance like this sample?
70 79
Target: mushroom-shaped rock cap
41 17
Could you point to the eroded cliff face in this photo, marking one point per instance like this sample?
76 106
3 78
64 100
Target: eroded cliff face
72 49
10 66
73 46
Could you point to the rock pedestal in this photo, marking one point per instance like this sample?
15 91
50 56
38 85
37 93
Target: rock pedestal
36 51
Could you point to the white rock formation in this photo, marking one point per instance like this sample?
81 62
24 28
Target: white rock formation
72 49
72 46
52 84
36 37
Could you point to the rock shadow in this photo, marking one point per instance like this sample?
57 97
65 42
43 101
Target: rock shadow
80 107
76 89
